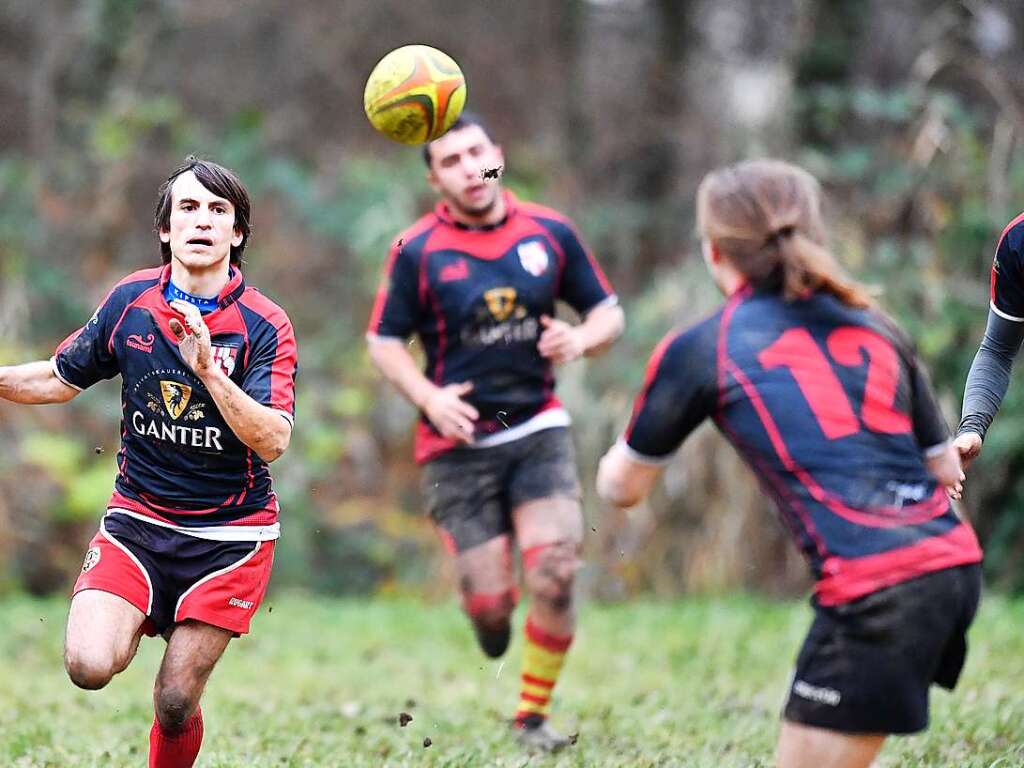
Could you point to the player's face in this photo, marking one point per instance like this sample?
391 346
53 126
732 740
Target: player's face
457 164
202 227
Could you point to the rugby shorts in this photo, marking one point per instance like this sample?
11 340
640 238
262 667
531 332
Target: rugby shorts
470 492
867 666
171 576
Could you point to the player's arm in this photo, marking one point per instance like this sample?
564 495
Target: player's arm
395 317
623 480
585 288
678 394
34 384
267 431
452 416
989 376
987 382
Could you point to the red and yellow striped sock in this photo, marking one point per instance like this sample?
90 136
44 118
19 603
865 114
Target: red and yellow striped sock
543 655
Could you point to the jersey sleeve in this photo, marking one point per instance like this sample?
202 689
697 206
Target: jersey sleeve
269 376
583 285
87 355
396 309
679 392
1007 289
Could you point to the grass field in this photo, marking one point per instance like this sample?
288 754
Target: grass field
322 682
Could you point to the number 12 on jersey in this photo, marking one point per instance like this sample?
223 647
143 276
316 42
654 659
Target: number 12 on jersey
797 351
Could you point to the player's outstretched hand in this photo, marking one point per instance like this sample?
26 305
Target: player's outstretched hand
452 416
560 342
968 445
193 338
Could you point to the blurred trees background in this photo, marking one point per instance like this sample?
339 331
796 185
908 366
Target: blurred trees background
910 111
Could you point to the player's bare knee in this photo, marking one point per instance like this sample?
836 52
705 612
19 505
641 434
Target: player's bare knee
88 673
551 573
490 610
174 706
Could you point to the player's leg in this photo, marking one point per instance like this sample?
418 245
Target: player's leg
489 593
550 535
193 650
111 599
804 746
102 637
464 495
548 522
227 582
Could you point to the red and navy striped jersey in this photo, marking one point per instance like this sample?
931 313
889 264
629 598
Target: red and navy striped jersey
179 461
475 297
1008 273
831 409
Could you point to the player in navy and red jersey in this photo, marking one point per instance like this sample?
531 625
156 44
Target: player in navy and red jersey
825 399
207 370
989 377
477 280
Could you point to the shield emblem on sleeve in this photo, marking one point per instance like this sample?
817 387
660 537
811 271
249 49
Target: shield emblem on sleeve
534 257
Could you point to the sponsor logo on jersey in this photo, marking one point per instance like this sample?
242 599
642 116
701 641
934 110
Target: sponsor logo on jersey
136 341
246 604
176 396
501 321
189 437
534 257
225 356
457 270
92 557
501 302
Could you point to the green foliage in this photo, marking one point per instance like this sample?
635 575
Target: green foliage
86 484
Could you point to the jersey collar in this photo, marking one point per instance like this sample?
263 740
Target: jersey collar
511 205
228 294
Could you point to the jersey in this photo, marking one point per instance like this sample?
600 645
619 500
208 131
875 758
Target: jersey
831 409
1007 283
179 464
475 296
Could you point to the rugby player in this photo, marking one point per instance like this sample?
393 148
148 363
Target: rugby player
477 280
989 376
825 399
207 368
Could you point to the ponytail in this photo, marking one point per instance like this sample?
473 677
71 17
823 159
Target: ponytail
739 210
807 268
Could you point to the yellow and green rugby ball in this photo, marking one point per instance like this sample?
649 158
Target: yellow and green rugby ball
414 94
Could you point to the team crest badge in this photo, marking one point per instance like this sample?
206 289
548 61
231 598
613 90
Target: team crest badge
176 396
534 257
91 558
501 302
225 357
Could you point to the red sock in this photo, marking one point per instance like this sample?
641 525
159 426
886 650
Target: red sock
180 750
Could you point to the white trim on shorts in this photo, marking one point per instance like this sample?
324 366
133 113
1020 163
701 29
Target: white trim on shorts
149 583
211 533
237 564
553 417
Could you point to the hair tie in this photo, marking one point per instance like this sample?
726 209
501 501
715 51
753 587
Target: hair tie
779 234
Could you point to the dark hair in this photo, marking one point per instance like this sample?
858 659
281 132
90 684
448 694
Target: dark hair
765 217
465 120
222 182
